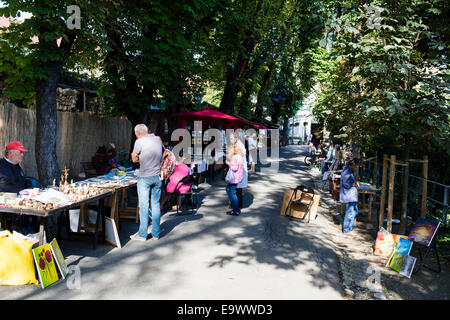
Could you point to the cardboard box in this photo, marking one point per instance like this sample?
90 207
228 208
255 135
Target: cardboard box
299 210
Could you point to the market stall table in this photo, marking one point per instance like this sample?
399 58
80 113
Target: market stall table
45 214
117 185
200 166
363 190
216 163
367 189
54 201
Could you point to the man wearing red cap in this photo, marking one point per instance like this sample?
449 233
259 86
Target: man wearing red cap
11 174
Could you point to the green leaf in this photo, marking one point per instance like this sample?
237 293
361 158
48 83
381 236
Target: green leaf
371 110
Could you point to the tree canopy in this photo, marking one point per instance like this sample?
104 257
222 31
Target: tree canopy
380 68
385 82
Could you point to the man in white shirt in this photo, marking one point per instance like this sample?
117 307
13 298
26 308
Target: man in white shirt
252 151
148 152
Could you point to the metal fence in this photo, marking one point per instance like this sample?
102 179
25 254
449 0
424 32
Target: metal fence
437 193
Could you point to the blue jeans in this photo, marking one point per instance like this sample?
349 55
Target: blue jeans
145 187
232 196
324 162
351 212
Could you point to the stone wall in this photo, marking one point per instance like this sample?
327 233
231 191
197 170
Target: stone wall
71 100
66 99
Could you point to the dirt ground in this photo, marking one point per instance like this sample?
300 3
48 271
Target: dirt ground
358 263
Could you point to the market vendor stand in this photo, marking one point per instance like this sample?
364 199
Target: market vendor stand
369 190
363 190
115 187
45 214
111 188
122 211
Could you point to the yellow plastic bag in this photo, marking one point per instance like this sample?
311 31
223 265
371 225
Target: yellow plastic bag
16 261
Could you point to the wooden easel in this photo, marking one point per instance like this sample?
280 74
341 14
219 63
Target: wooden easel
393 163
128 212
123 210
84 216
112 201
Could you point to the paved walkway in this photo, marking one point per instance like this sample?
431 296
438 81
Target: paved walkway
210 255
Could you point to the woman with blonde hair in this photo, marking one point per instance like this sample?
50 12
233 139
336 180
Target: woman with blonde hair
235 162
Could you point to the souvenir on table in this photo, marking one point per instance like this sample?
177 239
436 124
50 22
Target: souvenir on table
58 198
423 231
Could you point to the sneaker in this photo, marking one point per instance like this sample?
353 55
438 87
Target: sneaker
136 236
232 213
153 237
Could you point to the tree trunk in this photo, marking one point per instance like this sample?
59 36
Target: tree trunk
46 114
229 98
259 111
174 103
127 98
404 206
276 111
46 130
285 130
135 119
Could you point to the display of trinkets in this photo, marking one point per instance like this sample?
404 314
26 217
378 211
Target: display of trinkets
66 193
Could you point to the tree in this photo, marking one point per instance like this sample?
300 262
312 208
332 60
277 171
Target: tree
153 52
388 85
33 69
390 80
239 43
248 45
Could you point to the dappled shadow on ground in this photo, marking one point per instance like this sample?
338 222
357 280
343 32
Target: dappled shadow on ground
278 241
357 251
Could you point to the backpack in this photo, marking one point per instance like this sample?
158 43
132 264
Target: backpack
167 165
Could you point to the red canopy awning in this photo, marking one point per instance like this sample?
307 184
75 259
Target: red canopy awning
261 126
214 117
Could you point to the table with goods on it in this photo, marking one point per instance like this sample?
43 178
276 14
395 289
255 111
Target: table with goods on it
365 189
371 191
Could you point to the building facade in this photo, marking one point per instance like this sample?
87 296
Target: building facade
300 125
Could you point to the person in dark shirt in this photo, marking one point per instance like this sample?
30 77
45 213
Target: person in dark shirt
349 195
103 161
12 178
